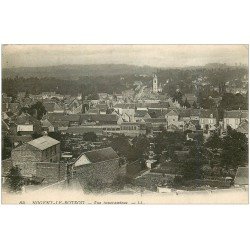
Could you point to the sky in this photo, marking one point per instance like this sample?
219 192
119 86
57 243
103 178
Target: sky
151 55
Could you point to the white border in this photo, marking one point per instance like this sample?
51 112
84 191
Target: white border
130 22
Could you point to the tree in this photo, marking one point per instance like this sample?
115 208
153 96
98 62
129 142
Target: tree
192 169
140 146
168 141
35 135
56 135
186 104
207 103
90 136
214 141
194 105
178 97
233 102
15 179
234 149
37 109
6 147
121 145
162 128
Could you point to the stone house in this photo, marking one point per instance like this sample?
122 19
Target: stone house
208 119
97 167
41 150
233 118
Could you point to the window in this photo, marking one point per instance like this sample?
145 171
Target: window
201 120
237 121
227 121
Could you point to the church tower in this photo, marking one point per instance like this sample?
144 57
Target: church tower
155 84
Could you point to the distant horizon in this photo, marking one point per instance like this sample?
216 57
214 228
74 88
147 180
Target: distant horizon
158 56
142 66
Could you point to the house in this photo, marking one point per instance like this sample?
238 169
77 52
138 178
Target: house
141 115
12 107
92 111
97 167
154 105
27 124
73 119
127 110
191 125
195 114
39 158
181 155
133 128
193 136
173 128
241 178
233 118
172 117
47 126
156 122
102 107
208 119
47 95
73 105
191 98
5 128
53 107
60 125
185 114
243 127
99 119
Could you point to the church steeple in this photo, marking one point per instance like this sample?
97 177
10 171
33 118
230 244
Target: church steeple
155 84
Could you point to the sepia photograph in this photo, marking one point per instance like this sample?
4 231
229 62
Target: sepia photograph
124 124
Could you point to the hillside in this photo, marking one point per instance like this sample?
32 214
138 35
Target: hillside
74 72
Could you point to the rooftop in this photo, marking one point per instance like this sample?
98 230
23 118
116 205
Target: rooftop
236 114
103 154
43 142
241 177
99 155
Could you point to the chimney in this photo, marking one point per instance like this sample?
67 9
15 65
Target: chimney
45 133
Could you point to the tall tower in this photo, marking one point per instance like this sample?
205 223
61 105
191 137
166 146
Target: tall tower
155 84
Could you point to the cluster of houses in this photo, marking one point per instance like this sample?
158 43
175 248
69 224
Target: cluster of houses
40 159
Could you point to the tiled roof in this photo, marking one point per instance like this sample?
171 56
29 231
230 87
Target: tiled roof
172 113
241 177
60 124
25 118
84 129
99 117
43 142
155 120
55 117
141 113
195 112
159 105
243 127
49 106
207 113
100 155
46 123
236 114
125 105
25 128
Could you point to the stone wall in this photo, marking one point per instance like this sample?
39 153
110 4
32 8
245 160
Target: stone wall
99 174
25 158
51 172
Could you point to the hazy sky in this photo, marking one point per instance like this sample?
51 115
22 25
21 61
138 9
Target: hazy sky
152 55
